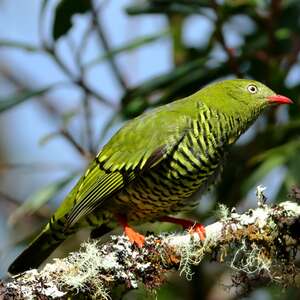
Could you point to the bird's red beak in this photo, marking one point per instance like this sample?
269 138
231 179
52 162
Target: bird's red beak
278 99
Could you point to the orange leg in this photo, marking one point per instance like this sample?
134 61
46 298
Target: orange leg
134 236
191 226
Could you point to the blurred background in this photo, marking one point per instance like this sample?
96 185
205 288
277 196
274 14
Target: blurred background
71 72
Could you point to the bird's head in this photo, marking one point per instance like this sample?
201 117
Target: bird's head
241 96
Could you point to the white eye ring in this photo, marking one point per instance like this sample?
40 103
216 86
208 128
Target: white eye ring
252 88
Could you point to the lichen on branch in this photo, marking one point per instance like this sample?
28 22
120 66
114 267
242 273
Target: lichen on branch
261 243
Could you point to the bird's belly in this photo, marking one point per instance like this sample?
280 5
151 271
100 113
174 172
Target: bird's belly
162 191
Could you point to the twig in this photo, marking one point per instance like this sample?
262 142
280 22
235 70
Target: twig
20 84
107 48
176 22
88 127
77 81
35 167
42 213
261 243
10 199
219 35
271 22
77 146
293 55
86 103
83 45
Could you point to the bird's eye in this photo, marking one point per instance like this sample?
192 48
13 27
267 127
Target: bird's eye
252 88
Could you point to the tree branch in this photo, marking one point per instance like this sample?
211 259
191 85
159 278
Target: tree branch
259 244
105 43
85 153
220 37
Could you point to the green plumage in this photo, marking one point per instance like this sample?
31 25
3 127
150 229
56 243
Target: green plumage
153 164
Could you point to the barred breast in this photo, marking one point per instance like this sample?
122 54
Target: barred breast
192 166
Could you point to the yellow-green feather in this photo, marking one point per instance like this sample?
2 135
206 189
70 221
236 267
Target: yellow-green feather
153 164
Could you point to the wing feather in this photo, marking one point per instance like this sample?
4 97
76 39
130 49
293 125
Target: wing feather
137 147
94 196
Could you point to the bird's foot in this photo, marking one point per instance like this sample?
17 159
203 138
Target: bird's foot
133 236
191 226
199 229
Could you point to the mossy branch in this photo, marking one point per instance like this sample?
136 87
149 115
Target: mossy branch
259 244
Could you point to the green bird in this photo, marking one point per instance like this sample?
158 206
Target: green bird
153 165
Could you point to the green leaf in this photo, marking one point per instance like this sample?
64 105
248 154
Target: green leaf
11 101
167 7
41 19
164 80
43 7
162 89
63 15
270 159
47 138
132 45
39 198
285 150
266 167
292 177
19 45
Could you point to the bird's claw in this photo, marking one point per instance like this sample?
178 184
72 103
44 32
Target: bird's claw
190 226
134 237
199 229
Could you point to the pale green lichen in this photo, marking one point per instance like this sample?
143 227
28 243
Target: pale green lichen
260 196
222 212
187 252
256 243
250 259
261 243
248 243
82 275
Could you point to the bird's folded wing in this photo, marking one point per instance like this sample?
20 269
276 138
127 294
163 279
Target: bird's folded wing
136 148
94 190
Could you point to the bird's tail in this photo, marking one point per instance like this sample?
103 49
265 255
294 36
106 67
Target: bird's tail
45 243
39 249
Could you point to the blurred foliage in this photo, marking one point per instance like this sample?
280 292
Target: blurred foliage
268 32
40 198
64 12
9 102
